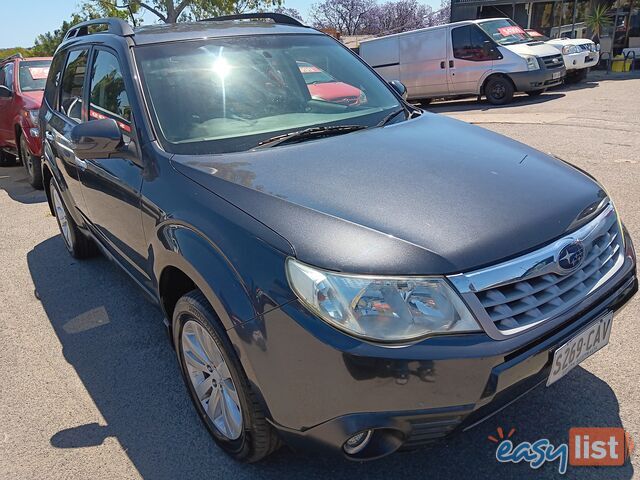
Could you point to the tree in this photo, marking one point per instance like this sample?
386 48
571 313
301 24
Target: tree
442 16
292 12
599 20
346 16
396 17
172 11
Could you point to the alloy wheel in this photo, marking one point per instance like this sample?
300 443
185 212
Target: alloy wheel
211 380
27 160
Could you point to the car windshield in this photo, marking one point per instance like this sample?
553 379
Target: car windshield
505 31
33 75
229 94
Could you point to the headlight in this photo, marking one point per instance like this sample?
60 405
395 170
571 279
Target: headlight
569 49
532 63
381 308
33 117
362 99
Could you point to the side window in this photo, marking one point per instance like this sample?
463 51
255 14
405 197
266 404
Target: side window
53 80
469 44
73 84
108 96
7 80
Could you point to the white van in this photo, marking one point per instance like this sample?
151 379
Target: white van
492 57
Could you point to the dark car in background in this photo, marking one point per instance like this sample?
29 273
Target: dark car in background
347 278
22 82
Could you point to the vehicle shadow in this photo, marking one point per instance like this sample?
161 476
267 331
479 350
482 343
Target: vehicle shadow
116 343
467 104
13 180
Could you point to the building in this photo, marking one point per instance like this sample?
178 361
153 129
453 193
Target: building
557 18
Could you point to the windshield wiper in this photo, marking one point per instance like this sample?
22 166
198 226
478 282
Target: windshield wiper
391 116
308 133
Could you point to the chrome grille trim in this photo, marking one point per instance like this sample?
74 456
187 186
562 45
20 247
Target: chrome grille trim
519 294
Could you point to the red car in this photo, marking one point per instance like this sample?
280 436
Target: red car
323 86
22 82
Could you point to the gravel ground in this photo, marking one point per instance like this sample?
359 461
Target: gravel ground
90 387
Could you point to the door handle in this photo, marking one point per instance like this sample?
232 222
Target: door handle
450 63
442 64
49 136
82 164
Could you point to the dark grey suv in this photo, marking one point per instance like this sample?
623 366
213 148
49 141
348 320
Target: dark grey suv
337 269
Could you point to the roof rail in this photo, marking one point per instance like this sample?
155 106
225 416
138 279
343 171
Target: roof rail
276 17
116 26
11 57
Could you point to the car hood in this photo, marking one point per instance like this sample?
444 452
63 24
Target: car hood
539 49
431 195
33 99
568 41
333 90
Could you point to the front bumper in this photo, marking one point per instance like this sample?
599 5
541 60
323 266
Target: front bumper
537 79
578 61
321 386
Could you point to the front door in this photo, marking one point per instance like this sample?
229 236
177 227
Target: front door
470 59
111 186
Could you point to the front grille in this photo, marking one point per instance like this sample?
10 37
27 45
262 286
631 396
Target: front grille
516 295
519 304
346 100
552 61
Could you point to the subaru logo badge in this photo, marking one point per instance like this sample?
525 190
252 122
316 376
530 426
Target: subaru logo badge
570 257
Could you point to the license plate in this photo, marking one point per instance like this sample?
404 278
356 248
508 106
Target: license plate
556 75
583 345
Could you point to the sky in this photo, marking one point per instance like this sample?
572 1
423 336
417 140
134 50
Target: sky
23 20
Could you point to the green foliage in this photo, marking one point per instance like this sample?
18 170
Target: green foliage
598 20
7 52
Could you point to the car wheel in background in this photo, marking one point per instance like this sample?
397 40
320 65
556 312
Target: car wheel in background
217 383
78 245
576 76
498 90
536 93
31 164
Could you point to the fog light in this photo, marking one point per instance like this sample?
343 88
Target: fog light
356 443
34 132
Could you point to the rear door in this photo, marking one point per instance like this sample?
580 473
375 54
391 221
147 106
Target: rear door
470 59
67 112
111 186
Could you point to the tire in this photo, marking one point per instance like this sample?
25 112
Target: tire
425 101
31 164
7 160
78 245
577 76
498 90
536 93
254 438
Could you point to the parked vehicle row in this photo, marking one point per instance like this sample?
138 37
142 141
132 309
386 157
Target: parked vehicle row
335 271
22 83
490 57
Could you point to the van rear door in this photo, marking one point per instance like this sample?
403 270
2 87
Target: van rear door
423 66
470 59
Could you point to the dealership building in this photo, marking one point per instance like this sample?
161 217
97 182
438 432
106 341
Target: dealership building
557 18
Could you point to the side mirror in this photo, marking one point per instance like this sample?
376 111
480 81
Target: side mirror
96 139
5 92
399 87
